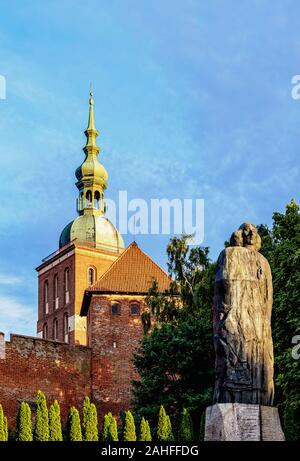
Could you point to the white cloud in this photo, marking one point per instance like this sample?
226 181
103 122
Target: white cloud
16 317
10 280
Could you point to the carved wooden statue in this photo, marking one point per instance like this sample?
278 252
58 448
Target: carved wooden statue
242 322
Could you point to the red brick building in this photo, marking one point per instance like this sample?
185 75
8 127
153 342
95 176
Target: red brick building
91 294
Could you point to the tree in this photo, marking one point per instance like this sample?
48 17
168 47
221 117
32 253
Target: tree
55 430
280 245
110 429
86 409
24 424
178 335
164 427
145 433
41 432
3 426
129 428
74 427
91 424
185 433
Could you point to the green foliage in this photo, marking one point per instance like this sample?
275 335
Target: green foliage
24 424
289 426
281 246
185 433
145 433
110 429
3 426
41 432
129 428
74 427
55 430
86 410
91 424
202 427
164 427
180 338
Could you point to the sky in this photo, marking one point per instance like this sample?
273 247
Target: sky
192 100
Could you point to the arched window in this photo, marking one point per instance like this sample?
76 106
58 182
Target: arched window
46 297
91 275
67 285
97 200
116 308
66 328
55 289
55 329
45 331
81 201
88 199
134 309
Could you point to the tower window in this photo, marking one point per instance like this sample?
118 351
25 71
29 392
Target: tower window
56 299
97 200
134 309
116 309
55 329
81 201
46 297
45 331
89 200
91 275
114 344
66 328
67 283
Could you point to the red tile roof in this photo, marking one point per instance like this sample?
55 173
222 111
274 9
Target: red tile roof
133 272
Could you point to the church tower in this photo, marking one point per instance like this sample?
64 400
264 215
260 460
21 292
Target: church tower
87 247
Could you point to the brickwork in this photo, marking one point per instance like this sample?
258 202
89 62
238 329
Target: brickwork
77 259
113 339
61 371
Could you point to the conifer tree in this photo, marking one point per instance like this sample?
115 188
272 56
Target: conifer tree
85 415
145 433
91 425
3 429
110 429
24 424
202 427
55 431
185 433
164 427
41 432
74 427
129 428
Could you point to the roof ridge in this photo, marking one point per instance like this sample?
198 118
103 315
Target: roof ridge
155 263
132 244
110 267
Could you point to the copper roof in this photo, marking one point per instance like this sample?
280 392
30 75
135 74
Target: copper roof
133 272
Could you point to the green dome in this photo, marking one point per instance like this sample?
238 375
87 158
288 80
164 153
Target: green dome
92 229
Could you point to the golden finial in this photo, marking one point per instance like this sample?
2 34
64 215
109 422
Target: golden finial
91 94
91 131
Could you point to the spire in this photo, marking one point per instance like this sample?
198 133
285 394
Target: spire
91 175
91 132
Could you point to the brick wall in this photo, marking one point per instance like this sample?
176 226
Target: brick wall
61 371
112 367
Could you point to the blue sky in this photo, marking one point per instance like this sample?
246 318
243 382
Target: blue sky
192 99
